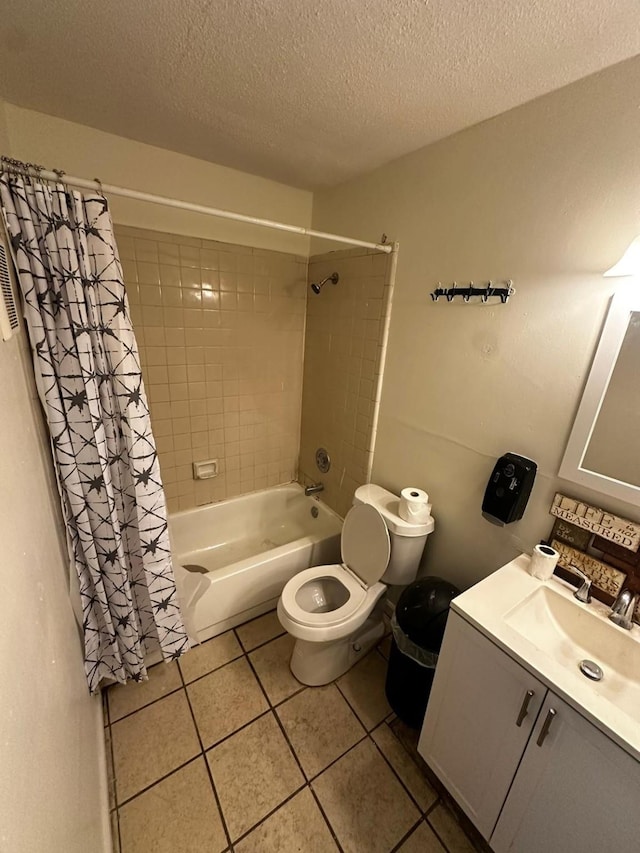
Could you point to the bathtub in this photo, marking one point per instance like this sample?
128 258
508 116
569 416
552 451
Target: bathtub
233 558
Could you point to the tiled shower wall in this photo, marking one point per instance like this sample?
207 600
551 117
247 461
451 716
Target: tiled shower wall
221 330
343 359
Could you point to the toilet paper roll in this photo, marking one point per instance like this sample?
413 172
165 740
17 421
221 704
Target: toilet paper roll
543 561
414 506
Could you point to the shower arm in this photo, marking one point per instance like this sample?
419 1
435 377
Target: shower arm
334 278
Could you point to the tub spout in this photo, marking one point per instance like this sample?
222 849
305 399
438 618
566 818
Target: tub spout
313 489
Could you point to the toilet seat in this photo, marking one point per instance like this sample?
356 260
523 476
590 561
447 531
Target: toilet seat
296 613
366 548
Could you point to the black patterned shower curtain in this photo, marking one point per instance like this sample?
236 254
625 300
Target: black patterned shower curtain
88 375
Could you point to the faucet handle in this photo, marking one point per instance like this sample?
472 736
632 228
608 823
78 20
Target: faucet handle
583 593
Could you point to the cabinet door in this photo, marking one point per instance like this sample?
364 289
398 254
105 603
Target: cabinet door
481 711
576 791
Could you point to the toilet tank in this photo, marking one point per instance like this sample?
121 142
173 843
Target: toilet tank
407 539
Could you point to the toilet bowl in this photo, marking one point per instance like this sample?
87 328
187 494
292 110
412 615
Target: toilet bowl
335 612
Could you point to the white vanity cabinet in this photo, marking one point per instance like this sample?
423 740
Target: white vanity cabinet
554 783
575 791
481 711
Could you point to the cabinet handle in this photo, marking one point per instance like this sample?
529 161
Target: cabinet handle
544 731
524 708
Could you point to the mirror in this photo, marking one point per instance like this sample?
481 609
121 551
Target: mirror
602 451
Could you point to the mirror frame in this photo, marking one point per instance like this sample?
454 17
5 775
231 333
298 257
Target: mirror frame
623 303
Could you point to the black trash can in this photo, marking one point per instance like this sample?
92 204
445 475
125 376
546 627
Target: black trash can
418 625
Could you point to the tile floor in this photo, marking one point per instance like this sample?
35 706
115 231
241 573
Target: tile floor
226 751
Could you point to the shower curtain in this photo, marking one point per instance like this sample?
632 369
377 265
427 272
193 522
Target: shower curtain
88 375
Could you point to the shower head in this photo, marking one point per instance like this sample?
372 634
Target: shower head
334 278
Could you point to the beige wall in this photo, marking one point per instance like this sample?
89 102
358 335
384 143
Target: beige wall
342 359
220 329
546 194
85 152
52 784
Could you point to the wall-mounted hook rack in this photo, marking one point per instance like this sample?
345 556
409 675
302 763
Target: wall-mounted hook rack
503 292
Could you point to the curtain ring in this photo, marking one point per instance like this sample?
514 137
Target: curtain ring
99 183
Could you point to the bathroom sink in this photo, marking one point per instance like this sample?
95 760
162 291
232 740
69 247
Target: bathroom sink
569 632
541 626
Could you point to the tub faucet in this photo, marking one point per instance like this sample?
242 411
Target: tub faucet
313 489
622 609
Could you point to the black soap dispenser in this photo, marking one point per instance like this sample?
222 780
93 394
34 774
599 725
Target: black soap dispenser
508 489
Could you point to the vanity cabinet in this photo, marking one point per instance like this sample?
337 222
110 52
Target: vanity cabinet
480 714
575 790
554 783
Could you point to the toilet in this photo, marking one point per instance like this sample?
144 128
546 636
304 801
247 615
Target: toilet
335 612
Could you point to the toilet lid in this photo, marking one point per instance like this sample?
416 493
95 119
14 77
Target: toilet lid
365 543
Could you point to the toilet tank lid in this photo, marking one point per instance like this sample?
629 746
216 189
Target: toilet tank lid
387 505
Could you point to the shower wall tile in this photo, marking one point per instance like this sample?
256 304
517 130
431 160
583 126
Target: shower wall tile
221 334
343 359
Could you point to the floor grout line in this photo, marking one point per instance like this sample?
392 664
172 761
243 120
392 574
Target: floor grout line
266 817
351 707
208 768
294 753
146 705
317 775
395 772
407 835
438 836
209 672
157 781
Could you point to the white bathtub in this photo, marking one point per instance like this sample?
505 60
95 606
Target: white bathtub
247 548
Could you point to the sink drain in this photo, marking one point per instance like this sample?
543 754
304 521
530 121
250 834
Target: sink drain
591 670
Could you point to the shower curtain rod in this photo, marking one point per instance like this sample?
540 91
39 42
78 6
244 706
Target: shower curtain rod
200 208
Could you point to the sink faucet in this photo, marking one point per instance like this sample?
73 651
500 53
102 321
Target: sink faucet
583 593
623 607
313 489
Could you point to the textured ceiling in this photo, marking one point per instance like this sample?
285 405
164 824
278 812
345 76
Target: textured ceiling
310 94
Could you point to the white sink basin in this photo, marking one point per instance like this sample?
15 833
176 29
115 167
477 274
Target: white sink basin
569 632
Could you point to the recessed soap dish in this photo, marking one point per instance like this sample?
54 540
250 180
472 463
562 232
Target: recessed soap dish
205 470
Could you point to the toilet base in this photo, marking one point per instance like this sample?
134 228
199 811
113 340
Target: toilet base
316 664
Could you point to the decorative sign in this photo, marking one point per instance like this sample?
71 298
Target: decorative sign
603 576
619 530
572 535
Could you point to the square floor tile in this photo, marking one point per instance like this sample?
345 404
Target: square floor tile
178 814
225 700
297 827
164 678
422 840
259 630
253 771
365 804
405 767
271 662
151 743
206 657
320 726
450 831
363 687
